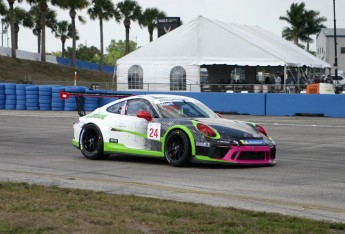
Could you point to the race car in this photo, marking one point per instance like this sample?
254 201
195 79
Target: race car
180 129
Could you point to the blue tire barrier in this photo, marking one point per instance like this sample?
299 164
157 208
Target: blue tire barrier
20 91
10 107
21 102
2 86
31 88
2 107
56 95
2 91
20 107
44 101
21 97
11 97
45 93
58 100
10 102
32 108
32 96
70 104
2 98
10 89
45 108
45 88
29 92
28 100
58 105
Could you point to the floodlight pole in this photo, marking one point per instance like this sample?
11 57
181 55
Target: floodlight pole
335 44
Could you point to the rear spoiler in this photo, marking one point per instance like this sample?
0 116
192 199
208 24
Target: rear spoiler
79 97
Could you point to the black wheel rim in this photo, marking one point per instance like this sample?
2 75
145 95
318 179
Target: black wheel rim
90 141
175 148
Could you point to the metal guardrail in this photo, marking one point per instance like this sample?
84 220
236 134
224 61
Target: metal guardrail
165 87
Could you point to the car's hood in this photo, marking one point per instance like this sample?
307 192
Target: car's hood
231 128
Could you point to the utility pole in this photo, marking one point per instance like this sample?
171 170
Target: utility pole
335 44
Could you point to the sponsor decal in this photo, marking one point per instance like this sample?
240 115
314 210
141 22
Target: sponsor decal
112 140
253 142
97 116
203 144
154 131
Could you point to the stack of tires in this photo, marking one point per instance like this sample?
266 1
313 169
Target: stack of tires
91 103
57 103
70 104
10 92
45 97
32 95
106 100
2 96
21 96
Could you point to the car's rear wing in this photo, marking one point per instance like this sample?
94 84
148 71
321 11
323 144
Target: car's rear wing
79 97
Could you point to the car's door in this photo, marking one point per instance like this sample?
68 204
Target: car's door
135 131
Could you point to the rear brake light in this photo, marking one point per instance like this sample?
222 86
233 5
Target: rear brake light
206 130
261 129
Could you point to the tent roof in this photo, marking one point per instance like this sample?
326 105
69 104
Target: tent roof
207 42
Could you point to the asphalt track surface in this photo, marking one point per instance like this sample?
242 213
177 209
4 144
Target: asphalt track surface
308 180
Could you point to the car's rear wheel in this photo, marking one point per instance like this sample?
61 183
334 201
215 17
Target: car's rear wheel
177 149
91 142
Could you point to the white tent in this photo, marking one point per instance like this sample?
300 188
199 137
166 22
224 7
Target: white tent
211 42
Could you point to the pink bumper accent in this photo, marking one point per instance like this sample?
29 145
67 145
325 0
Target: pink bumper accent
236 155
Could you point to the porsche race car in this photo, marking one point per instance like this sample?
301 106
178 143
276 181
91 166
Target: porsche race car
178 128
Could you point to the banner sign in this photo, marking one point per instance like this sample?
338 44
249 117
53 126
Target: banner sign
167 24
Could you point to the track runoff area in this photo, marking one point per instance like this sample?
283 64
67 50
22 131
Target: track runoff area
307 181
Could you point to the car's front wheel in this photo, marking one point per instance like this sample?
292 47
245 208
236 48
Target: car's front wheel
177 149
91 142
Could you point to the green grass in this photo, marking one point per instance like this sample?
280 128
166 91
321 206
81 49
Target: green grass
28 208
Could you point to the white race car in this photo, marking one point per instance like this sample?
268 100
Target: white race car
178 128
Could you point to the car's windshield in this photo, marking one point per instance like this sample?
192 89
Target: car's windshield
180 108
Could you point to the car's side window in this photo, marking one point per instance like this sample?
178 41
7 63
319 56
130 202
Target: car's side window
136 105
116 108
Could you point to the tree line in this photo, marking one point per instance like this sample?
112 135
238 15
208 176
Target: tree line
303 23
42 16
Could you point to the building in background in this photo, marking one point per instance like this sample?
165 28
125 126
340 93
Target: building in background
325 47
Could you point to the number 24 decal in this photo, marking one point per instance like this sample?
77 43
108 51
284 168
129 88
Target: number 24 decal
153 131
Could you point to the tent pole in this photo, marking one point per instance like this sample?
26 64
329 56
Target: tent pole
112 84
285 76
298 76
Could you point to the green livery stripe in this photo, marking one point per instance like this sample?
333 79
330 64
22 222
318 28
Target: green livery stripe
75 143
120 148
130 132
206 158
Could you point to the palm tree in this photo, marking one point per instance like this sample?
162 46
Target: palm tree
72 6
50 20
149 19
129 11
295 17
63 32
313 25
21 17
13 35
44 11
3 8
102 10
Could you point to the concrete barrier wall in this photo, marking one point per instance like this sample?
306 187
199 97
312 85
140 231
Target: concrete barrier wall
332 105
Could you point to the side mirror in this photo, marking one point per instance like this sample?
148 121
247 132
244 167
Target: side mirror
144 115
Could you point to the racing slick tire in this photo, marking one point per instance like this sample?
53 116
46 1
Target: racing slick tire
91 143
177 149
